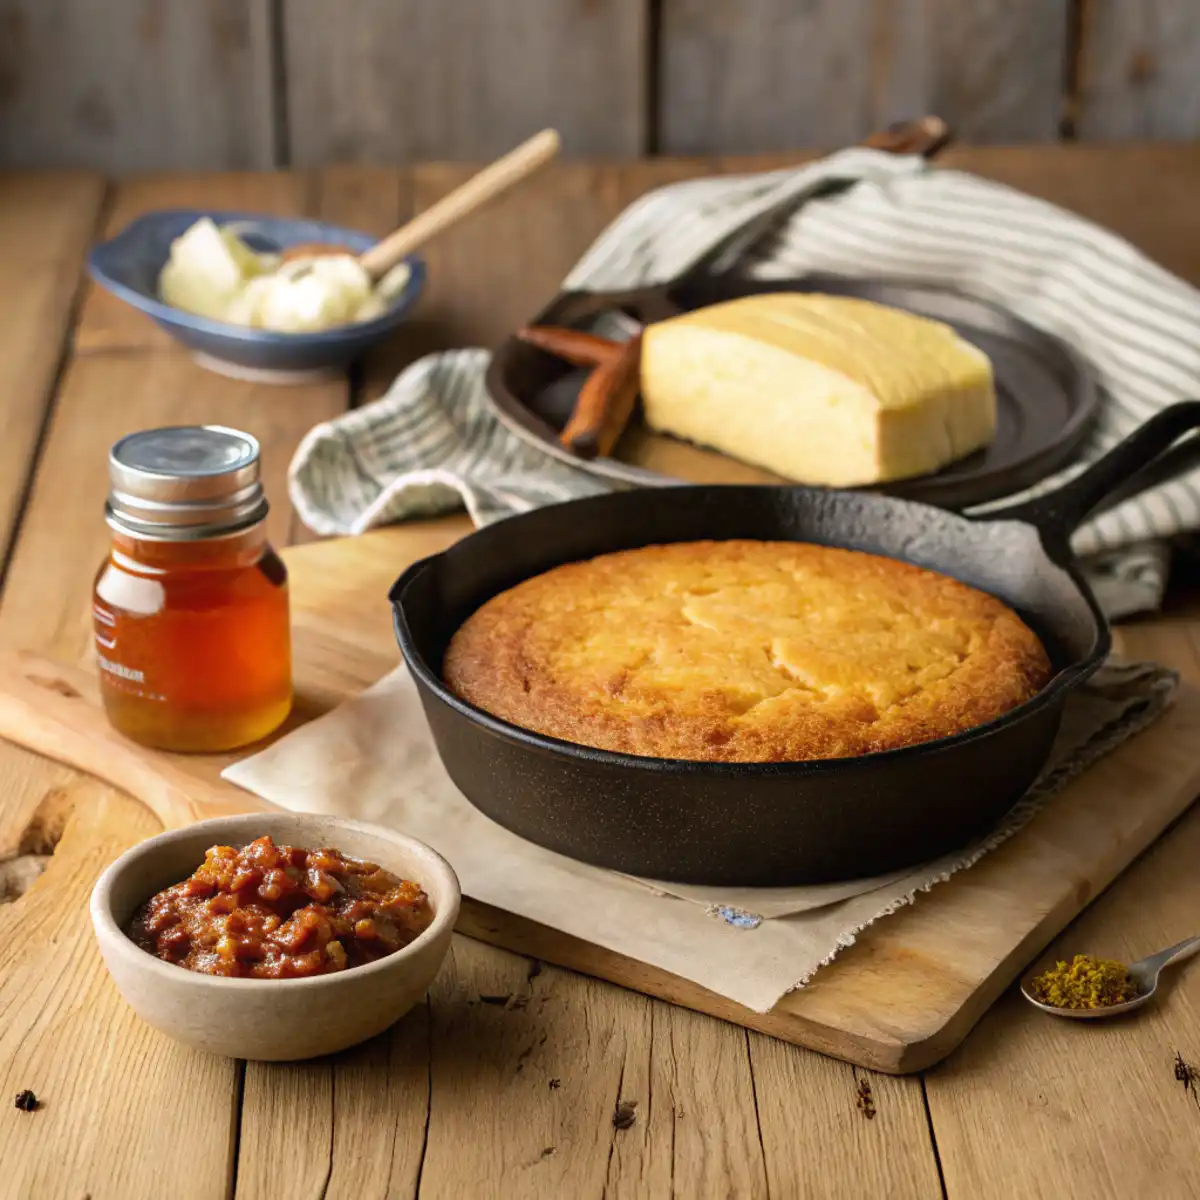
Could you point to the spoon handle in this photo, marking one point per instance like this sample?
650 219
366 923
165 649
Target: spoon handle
1171 954
464 200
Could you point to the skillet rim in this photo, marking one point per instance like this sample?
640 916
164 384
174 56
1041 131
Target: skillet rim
1069 678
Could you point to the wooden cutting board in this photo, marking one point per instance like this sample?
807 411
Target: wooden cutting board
898 1001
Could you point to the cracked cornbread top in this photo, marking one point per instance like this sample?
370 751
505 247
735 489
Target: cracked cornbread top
745 651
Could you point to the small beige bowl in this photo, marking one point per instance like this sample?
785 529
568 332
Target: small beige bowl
271 1020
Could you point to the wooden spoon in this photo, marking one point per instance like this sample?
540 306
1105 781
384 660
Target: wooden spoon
489 183
54 710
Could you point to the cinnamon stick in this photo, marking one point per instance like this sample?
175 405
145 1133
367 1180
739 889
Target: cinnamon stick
605 403
582 349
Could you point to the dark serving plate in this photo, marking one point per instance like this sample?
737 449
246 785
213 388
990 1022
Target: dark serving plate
1046 396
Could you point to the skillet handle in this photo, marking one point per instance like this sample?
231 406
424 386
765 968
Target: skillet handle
926 136
1060 513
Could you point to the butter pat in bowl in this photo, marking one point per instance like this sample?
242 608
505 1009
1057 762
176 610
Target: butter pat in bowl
308 999
216 281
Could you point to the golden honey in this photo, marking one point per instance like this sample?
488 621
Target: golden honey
190 608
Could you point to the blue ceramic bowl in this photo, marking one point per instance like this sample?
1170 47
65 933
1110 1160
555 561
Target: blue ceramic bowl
129 265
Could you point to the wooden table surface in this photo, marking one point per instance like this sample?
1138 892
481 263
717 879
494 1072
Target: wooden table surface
468 1098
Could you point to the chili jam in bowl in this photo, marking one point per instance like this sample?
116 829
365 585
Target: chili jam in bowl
340 929
280 912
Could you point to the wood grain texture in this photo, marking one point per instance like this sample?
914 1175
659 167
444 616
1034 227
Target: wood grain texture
994 69
144 84
106 323
1000 1132
1173 640
849 1154
286 1143
1070 851
764 75
771 74
46 223
35 809
499 1037
1025 1079
112 1089
693 1069
222 85
1138 69
398 80
62 540
543 228
546 1084
911 987
54 709
390 1075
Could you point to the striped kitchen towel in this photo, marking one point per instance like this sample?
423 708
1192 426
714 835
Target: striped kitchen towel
432 443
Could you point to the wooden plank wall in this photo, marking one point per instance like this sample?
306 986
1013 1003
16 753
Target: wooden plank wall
399 80
777 74
125 85
1140 69
128 85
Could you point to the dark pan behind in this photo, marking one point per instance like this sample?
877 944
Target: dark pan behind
1046 397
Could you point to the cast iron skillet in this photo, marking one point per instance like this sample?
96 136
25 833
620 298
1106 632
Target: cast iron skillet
771 824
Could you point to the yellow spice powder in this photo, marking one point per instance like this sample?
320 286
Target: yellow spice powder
1084 982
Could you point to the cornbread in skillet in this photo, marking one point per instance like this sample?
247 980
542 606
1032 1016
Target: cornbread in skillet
745 651
820 389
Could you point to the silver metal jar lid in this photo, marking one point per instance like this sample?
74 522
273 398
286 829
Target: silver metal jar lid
184 483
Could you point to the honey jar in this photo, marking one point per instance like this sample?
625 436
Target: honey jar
190 609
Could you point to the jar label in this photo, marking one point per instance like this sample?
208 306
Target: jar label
115 668
120 675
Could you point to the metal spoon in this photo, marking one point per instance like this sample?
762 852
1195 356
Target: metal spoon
1144 974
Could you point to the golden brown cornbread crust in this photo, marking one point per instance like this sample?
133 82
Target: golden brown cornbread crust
745 651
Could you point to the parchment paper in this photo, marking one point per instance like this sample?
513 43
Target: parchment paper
373 758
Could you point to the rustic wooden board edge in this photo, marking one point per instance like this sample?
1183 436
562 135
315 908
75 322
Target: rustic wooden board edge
52 709
342 575
895 1056
1050 835
522 936
920 1056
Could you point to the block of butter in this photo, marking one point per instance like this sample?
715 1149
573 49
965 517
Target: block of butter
819 389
